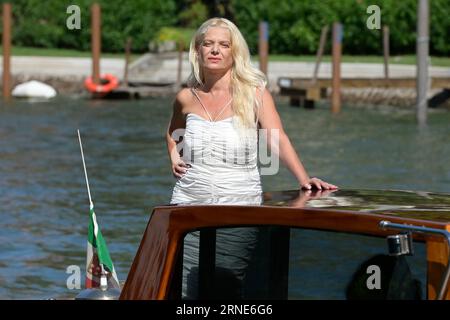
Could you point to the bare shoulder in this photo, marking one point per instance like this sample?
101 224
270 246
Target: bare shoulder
263 92
182 99
266 97
178 119
183 95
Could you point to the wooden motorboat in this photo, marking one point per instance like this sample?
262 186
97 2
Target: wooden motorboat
318 246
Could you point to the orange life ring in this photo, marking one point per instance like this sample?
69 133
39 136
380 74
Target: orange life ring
111 83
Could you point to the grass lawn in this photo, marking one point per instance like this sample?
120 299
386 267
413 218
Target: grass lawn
45 52
405 59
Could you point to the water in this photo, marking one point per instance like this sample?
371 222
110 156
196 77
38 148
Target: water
44 204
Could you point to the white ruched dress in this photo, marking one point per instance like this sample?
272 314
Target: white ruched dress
223 169
223 164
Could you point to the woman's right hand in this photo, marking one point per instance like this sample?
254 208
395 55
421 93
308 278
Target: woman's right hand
179 168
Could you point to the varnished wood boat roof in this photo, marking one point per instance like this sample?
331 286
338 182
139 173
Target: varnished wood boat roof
420 205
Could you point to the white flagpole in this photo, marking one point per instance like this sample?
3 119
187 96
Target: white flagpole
85 172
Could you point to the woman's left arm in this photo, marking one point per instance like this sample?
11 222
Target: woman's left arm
269 119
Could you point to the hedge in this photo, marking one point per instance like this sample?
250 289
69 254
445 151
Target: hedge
294 25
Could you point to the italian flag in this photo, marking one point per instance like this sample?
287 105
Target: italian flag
98 260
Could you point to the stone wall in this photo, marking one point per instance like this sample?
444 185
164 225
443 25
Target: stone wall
398 97
64 85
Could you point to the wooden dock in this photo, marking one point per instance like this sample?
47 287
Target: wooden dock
305 92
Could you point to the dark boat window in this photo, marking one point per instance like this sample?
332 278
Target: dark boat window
292 263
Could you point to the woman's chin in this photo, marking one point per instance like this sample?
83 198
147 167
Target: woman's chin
216 68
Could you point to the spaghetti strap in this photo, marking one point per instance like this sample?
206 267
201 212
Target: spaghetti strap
215 119
201 103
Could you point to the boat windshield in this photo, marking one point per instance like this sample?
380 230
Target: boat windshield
274 262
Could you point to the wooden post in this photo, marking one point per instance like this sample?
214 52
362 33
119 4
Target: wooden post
127 61
386 51
180 62
422 60
6 42
337 51
263 46
323 39
96 41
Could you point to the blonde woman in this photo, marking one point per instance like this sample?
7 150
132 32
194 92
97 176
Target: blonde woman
225 100
212 137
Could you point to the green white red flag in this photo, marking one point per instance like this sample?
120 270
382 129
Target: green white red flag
98 262
100 272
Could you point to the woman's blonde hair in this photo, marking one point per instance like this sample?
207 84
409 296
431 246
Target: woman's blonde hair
245 78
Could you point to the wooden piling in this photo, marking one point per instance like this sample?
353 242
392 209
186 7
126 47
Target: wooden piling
386 51
323 39
263 46
96 41
127 61
337 52
6 42
422 60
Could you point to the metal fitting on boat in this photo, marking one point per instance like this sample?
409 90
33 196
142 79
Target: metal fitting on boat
102 293
400 244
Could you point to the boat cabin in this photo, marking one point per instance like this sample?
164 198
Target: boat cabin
346 244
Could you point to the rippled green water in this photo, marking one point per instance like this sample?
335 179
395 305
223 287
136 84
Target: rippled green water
44 204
